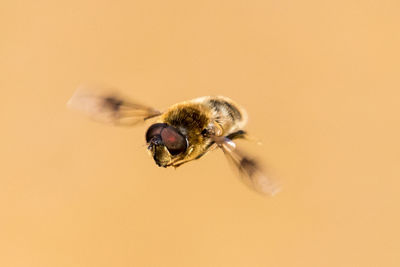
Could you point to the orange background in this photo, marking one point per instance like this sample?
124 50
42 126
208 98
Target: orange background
319 79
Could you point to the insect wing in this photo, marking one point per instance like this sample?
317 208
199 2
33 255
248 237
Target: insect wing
250 170
108 107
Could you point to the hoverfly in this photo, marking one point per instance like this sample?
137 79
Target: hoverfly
184 132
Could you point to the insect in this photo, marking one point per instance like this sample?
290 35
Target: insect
184 132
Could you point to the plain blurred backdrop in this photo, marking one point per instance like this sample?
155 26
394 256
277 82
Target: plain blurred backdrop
319 79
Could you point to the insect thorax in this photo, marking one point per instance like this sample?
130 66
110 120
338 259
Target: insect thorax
189 118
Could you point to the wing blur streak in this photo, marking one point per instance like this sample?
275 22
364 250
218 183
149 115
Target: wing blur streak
108 107
250 170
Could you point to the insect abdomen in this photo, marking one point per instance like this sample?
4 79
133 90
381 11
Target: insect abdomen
227 113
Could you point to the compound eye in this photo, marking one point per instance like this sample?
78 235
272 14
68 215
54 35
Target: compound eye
154 130
173 140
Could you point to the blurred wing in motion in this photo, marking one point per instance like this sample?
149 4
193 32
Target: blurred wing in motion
108 107
250 170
